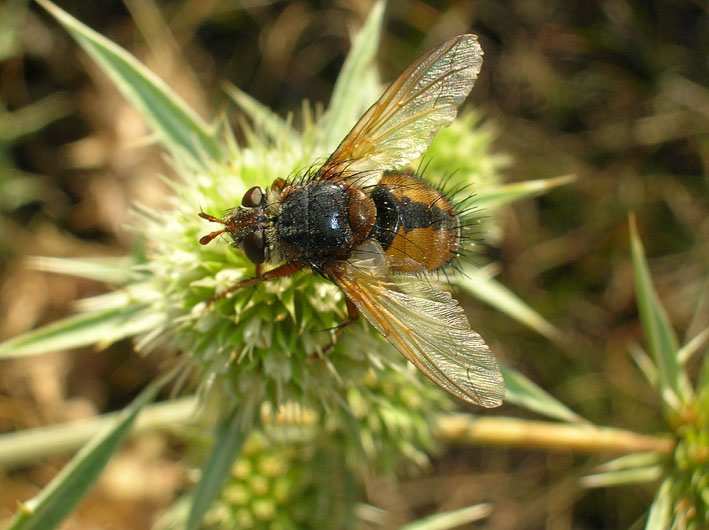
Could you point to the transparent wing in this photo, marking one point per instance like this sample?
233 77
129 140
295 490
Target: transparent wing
428 327
399 127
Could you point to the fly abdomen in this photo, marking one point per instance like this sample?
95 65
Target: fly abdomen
415 221
388 220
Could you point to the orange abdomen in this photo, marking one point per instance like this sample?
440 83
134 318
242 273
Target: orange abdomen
415 221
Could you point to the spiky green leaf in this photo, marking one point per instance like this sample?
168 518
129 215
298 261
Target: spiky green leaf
115 271
632 461
277 129
70 486
661 339
660 515
524 393
644 363
176 125
84 329
30 445
697 342
451 519
494 197
231 433
622 477
31 118
349 98
479 284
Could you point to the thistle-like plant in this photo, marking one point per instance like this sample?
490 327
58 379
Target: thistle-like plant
682 465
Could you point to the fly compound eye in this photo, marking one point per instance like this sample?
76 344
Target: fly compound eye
252 198
254 247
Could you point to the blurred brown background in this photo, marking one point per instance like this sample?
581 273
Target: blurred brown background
612 91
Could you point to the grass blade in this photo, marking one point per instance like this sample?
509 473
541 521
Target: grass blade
633 461
115 271
100 327
660 514
661 339
644 363
70 486
622 477
693 346
494 197
177 126
277 129
524 393
230 436
348 100
27 446
479 284
627 469
33 117
451 519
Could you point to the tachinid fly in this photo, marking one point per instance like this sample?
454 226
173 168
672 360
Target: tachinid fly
375 229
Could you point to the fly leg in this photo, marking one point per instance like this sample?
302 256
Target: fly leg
352 316
279 272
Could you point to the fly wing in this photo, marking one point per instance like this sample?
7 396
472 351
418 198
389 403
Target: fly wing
428 327
401 124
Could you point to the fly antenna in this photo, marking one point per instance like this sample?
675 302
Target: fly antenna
211 218
206 239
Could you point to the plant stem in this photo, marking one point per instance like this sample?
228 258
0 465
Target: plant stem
513 432
27 446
